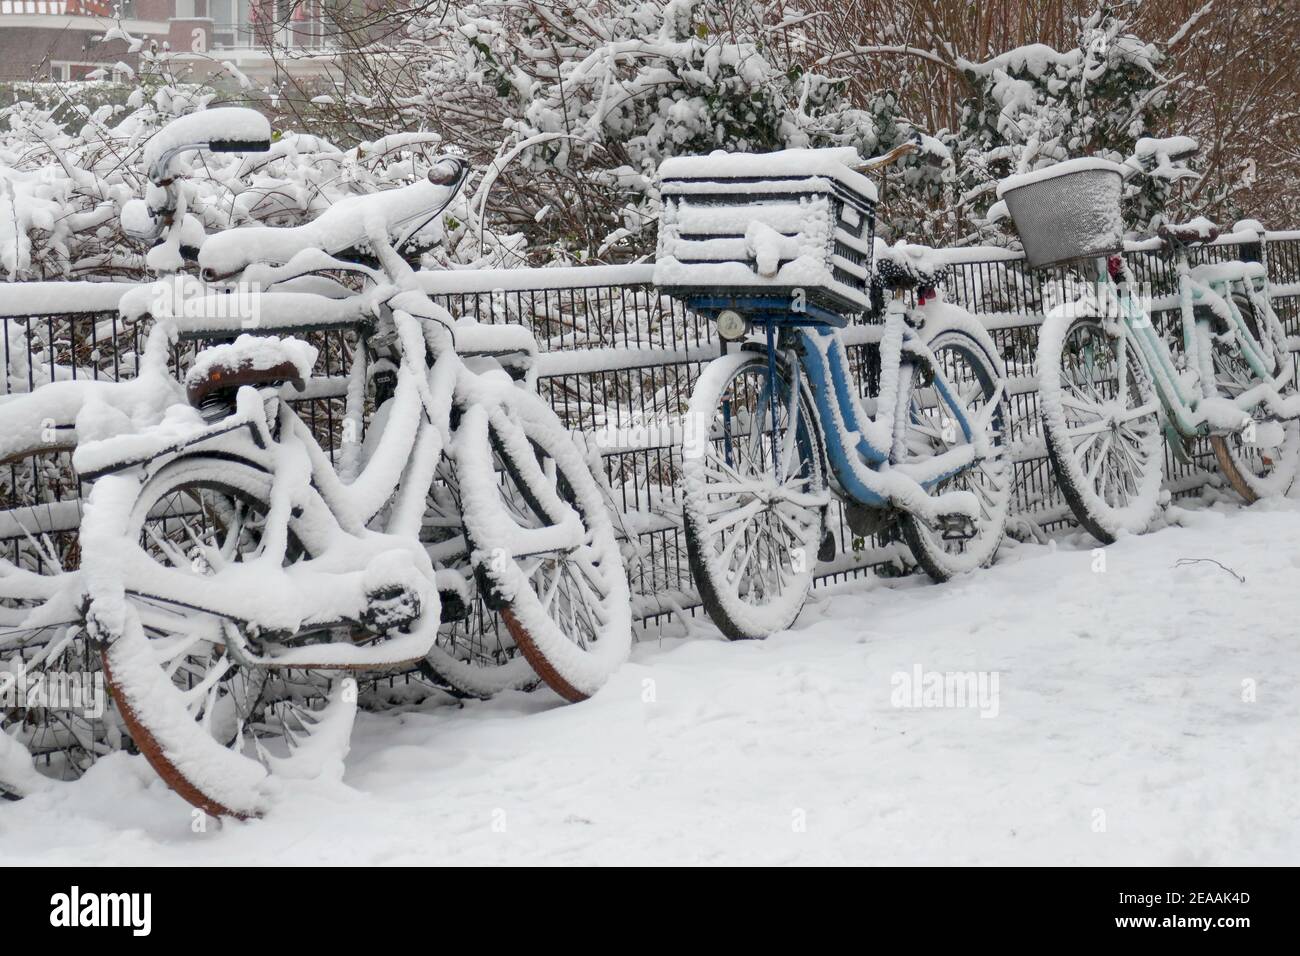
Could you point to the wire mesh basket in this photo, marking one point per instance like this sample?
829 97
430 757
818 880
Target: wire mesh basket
1067 211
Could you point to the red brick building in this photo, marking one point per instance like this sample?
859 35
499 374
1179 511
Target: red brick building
63 39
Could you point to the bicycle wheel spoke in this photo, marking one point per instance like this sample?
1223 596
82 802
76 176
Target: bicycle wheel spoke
737 536
1086 406
1088 440
743 513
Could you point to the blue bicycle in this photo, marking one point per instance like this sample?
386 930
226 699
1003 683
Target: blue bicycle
777 426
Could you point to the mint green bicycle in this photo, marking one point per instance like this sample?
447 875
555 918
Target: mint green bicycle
1111 386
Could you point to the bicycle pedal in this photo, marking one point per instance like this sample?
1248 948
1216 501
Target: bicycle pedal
956 527
390 609
826 550
452 607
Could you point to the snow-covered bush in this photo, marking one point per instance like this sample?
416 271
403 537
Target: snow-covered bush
566 108
1035 106
575 103
1226 77
62 192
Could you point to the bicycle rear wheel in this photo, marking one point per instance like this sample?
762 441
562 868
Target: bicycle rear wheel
1101 422
969 376
210 720
1260 459
753 522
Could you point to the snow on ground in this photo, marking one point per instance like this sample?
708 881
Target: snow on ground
1121 736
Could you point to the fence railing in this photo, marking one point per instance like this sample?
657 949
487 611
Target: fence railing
618 363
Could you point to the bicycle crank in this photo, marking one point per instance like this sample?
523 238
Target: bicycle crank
864 520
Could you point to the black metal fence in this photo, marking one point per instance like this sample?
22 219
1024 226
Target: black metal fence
619 360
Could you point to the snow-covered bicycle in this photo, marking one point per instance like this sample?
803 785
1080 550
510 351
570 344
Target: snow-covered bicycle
476 634
44 648
781 244
1110 385
233 573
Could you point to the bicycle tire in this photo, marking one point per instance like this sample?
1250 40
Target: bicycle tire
190 739
742 605
523 481
1253 471
1077 356
943 556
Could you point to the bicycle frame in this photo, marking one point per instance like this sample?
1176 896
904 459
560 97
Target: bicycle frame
414 435
862 449
1184 408
432 380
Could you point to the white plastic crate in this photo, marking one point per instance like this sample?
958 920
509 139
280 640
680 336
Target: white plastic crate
794 225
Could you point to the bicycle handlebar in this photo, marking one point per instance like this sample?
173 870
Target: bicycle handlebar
401 214
226 130
233 129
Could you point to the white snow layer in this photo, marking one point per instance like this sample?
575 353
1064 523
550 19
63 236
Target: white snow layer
1085 164
232 123
835 163
1145 714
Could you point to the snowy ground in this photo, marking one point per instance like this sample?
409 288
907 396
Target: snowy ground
1121 736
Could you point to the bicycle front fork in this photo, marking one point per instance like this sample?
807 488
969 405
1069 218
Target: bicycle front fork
770 334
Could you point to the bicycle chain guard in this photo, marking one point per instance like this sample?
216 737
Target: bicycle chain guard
865 521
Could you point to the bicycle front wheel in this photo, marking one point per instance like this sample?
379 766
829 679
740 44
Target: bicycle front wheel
543 544
755 496
1101 422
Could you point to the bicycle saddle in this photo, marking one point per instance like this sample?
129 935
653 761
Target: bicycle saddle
257 361
905 266
340 230
1196 232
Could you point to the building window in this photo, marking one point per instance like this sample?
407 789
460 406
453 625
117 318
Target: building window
56 7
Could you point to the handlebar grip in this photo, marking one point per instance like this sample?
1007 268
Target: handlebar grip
239 145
